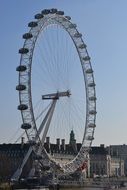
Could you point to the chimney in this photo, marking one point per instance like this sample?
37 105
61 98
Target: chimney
22 141
102 145
63 145
58 144
47 144
48 140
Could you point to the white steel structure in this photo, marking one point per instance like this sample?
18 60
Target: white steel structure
36 134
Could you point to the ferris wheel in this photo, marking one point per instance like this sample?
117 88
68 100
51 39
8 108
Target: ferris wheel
56 86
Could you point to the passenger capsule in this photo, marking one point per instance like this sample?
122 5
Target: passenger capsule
77 35
88 71
22 107
60 12
72 25
68 17
92 98
20 87
45 11
92 112
21 68
90 138
32 24
53 11
27 36
38 16
91 84
82 46
91 125
23 50
87 58
26 126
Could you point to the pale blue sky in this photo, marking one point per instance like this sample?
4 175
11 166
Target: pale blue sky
104 28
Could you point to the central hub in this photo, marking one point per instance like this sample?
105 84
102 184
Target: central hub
56 95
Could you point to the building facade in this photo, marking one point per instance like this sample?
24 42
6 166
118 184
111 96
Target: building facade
117 167
11 157
102 163
63 152
119 152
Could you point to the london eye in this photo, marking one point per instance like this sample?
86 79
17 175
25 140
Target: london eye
56 87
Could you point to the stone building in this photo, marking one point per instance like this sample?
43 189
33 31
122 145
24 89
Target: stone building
117 167
11 157
63 152
102 163
119 152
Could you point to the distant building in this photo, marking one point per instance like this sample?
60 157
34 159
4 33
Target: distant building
11 157
61 151
117 167
102 163
120 152
65 152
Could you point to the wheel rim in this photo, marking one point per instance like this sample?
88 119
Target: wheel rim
25 95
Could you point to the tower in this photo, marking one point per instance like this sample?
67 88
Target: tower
72 142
